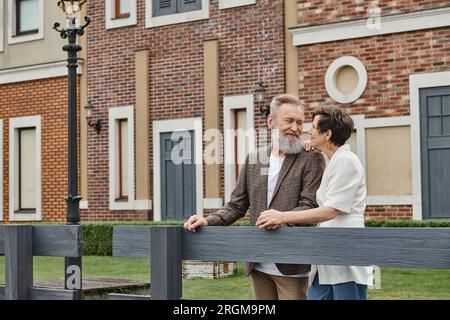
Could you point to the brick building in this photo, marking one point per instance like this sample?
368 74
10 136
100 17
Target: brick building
33 113
159 69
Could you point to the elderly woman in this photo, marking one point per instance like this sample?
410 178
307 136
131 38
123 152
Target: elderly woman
341 199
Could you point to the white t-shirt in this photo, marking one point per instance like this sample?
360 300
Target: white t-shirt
274 169
343 188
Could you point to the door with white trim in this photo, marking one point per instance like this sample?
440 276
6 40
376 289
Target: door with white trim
435 151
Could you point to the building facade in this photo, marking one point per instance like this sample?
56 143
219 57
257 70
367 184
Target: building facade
173 83
194 67
33 112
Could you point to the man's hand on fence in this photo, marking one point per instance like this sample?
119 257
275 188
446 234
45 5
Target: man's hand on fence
270 219
194 222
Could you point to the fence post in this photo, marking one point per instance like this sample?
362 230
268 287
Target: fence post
19 261
166 263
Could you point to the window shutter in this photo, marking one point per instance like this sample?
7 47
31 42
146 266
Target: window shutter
164 7
189 5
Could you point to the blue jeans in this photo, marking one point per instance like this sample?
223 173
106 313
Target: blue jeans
341 291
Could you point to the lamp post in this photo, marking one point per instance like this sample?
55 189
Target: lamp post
72 9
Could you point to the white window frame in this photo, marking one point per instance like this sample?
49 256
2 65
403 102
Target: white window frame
117 113
12 38
112 22
185 124
231 103
226 4
14 125
416 82
151 22
361 124
1 26
330 79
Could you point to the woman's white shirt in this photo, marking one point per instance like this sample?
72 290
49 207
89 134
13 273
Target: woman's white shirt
343 188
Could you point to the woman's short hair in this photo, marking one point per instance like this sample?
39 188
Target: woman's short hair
335 119
282 99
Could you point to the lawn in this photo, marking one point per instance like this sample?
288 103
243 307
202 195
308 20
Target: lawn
399 284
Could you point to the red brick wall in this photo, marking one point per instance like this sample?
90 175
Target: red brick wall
251 46
389 60
47 98
319 12
389 212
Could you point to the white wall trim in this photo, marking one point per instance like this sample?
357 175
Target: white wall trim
172 125
12 39
35 72
117 113
142 204
388 200
1 168
14 125
151 22
84 204
417 81
425 19
112 23
226 4
387 122
231 103
212 203
330 79
2 30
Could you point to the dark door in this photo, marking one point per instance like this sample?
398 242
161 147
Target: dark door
435 149
178 196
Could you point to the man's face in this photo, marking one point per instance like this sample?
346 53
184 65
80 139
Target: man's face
288 120
287 127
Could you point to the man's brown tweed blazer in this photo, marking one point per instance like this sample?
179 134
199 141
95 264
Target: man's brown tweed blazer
295 190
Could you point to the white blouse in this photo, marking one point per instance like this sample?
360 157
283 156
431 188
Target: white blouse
343 188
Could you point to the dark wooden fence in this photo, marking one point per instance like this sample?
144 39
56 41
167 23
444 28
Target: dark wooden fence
19 243
168 246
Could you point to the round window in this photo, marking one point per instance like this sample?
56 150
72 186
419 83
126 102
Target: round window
346 79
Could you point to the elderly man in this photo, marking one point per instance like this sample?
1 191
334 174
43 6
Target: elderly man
288 181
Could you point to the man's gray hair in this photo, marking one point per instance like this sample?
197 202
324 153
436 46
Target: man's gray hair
282 99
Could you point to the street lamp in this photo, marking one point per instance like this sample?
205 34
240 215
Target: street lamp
72 10
97 125
260 97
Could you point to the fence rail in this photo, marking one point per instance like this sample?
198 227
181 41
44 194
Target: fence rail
168 246
19 243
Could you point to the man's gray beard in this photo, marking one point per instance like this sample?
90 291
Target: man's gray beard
285 145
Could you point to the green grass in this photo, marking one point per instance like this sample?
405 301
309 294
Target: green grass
398 284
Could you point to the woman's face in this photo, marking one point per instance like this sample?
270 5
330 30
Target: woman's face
317 139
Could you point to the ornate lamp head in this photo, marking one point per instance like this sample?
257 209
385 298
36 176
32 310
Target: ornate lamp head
72 9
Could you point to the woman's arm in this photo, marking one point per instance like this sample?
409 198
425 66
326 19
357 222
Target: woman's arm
272 219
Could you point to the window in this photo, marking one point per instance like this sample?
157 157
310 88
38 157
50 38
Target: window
239 136
164 7
225 4
122 9
25 20
240 139
165 12
27 17
121 158
120 13
25 169
1 26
